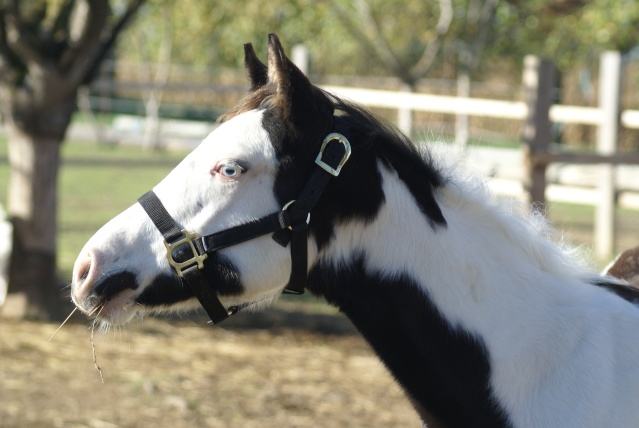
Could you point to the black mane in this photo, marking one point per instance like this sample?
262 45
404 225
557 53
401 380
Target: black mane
372 140
397 152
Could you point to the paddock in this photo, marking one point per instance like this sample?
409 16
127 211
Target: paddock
187 374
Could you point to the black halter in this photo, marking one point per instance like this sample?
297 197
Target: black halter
288 225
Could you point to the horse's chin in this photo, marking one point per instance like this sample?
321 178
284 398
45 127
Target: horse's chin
120 310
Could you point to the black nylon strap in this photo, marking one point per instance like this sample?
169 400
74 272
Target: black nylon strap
300 209
192 276
288 225
245 232
205 295
316 184
159 216
319 179
299 260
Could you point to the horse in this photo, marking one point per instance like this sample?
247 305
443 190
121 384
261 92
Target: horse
626 267
479 314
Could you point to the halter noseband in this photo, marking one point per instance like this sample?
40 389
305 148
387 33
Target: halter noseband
288 225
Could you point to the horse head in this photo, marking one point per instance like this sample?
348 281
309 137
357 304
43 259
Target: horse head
256 161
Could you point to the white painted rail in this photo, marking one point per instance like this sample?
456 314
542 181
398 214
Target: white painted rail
432 103
514 110
606 117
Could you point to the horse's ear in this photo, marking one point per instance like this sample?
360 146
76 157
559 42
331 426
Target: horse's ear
297 98
257 71
626 267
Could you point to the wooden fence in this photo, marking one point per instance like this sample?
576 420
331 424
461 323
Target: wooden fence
538 112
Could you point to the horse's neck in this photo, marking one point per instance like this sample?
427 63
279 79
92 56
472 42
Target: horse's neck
484 259
433 301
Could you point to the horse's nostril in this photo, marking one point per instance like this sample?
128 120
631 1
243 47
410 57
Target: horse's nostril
82 268
85 272
83 276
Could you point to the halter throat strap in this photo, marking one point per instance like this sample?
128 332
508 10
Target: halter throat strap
288 226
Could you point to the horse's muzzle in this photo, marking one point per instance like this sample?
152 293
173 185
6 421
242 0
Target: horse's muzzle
91 288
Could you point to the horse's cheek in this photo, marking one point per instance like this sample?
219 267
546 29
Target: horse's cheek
264 265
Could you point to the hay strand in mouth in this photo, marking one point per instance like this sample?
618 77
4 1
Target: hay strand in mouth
97 308
95 359
63 323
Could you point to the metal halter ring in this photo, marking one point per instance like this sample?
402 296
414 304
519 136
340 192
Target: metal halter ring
308 217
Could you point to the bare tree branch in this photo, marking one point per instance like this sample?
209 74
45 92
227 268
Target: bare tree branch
477 27
19 41
380 44
88 73
10 65
61 23
370 46
487 13
427 60
370 35
352 27
82 40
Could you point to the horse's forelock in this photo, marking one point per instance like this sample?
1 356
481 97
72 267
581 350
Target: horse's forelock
257 99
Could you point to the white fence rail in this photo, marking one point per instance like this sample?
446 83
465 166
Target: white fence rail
537 112
514 110
536 158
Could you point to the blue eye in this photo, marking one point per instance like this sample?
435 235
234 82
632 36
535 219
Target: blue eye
230 170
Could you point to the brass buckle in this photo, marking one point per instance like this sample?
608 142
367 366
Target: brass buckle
197 259
347 147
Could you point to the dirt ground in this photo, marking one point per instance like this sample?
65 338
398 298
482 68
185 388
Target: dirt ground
187 374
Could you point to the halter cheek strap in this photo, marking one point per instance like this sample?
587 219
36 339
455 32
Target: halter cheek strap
290 225
188 271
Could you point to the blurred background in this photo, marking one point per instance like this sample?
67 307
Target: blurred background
100 99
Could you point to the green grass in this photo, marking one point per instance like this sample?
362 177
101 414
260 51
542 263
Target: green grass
89 196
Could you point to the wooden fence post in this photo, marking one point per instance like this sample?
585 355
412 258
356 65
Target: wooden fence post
462 121
539 84
301 58
405 114
607 141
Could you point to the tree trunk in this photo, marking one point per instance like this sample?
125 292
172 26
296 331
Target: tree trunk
43 62
33 285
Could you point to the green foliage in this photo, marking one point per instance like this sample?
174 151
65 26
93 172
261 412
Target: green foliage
408 27
211 33
567 31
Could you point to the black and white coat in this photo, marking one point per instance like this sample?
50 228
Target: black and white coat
479 316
